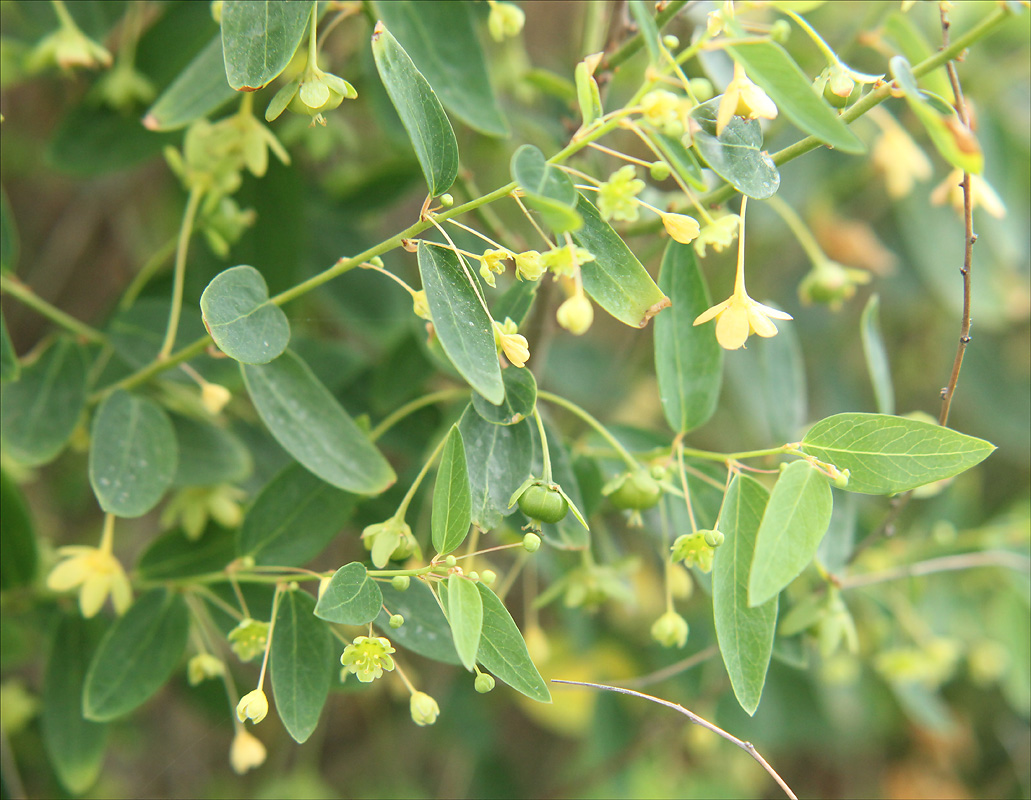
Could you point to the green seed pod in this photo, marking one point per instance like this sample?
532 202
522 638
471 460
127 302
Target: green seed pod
484 683
659 170
400 582
714 538
451 561
396 621
637 492
447 200
488 576
542 503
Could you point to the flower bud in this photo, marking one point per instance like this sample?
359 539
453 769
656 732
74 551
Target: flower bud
659 170
396 621
447 200
451 562
505 21
576 314
670 42
702 89
420 306
780 31
400 583
488 576
202 667
246 751
670 630
484 683
714 538
424 709
681 228
252 706
248 639
531 543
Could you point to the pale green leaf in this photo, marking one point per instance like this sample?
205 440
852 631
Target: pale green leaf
737 154
259 38
649 31
498 459
200 89
208 454
243 321
503 651
351 598
426 630
877 364
300 659
910 41
452 501
520 398
465 614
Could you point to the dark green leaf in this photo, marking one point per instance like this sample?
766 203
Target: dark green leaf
312 426
10 366
537 177
442 42
515 304
39 412
426 630
877 363
498 457
736 155
503 651
173 555
460 320
75 746
293 518
616 279
133 454
238 314
419 109
302 650
209 454
796 518
688 360
770 66
136 656
887 454
745 634
200 89
94 140
351 598
18 556
452 501
259 38
465 614
520 398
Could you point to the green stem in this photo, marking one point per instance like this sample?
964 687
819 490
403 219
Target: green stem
147 271
634 44
403 508
411 407
799 229
545 455
590 420
830 55
18 290
63 16
185 231
769 451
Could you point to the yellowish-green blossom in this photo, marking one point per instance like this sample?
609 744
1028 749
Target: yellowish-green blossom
661 109
367 657
576 314
898 158
505 20
252 706
202 667
96 573
248 639
670 630
680 227
719 234
424 709
743 98
617 197
246 752
982 194
529 266
389 540
512 344
566 259
214 397
492 262
693 550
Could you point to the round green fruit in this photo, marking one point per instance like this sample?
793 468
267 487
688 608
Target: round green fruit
543 504
638 492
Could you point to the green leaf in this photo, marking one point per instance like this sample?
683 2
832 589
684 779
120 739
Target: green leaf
452 501
302 650
10 366
420 111
312 426
259 37
498 459
520 398
200 89
351 598
688 359
877 363
443 44
93 140
770 66
173 555
954 141
910 41
208 454
465 614
133 454
39 412
745 634
547 189
515 304
616 279
75 746
680 159
426 630
736 155
887 454
293 518
18 555
136 656
503 651
137 333
238 314
460 321
796 518
648 30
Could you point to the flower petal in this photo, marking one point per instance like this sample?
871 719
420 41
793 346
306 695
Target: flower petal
709 313
760 323
767 311
93 594
732 327
68 574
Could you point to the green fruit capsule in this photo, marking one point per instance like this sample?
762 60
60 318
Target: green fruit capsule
543 503
637 492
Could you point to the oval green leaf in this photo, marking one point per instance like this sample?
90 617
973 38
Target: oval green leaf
136 656
312 426
420 111
238 314
39 412
18 554
886 454
444 45
736 155
520 398
174 555
465 615
452 501
460 320
503 651
616 279
351 598
300 662
293 518
426 630
796 518
745 634
200 89
133 454
259 38
209 454
537 177
688 359
877 364
498 459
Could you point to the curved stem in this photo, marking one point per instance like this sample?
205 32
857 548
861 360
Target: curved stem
590 420
545 455
403 508
989 558
147 271
185 231
18 290
411 407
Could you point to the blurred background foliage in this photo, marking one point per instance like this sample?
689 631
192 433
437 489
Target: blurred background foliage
937 701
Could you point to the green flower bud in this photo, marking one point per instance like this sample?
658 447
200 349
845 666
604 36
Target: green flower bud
659 170
714 538
670 41
400 582
202 667
447 200
484 683
702 89
488 576
576 314
396 621
531 543
780 31
841 479
634 491
670 630
451 561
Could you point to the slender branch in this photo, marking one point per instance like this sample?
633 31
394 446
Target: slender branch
408 408
636 42
15 288
179 274
987 558
748 747
590 420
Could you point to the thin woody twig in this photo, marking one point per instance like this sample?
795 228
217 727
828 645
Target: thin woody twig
961 561
748 747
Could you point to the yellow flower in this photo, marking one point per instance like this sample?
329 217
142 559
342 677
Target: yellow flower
681 227
505 21
744 99
214 397
424 709
720 233
202 667
670 630
491 263
982 194
252 706
514 345
97 572
420 305
576 314
246 752
529 265
900 159
661 110
367 657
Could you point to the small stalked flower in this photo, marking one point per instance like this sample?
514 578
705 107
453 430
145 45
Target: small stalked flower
424 709
743 98
512 344
505 20
831 283
739 316
719 233
529 266
576 314
566 259
246 752
248 639
982 194
420 305
67 47
214 397
492 263
670 630
661 110
617 197
96 572
389 540
697 549
680 227
202 667
252 706
367 657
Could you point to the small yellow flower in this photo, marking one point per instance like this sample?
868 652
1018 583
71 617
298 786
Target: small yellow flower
670 630
252 706
681 227
743 98
420 306
214 397
617 197
367 657
246 752
202 667
720 233
97 572
491 262
576 314
661 110
249 638
529 265
900 158
982 194
424 709
566 259
512 344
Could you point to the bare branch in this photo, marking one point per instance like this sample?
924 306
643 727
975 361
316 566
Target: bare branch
987 558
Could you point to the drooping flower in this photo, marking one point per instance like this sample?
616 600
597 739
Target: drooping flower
252 706
512 344
505 20
367 657
388 540
617 197
492 262
670 630
202 667
680 227
424 709
248 639
743 98
246 752
576 314
566 259
529 266
97 573
694 550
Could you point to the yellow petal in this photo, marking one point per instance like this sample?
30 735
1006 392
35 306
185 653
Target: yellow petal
760 323
681 227
93 594
771 312
728 105
732 327
121 593
709 313
68 574
759 103
246 752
